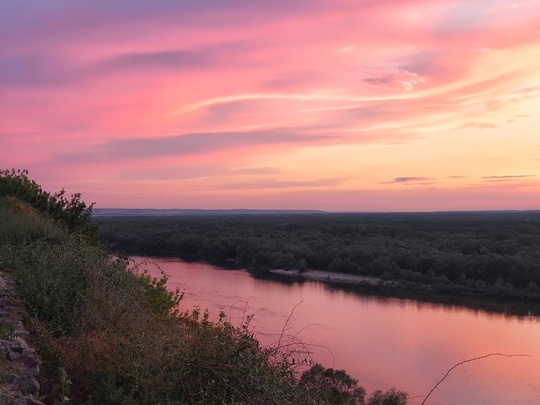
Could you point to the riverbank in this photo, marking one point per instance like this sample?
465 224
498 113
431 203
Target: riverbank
341 278
459 253
448 295
368 329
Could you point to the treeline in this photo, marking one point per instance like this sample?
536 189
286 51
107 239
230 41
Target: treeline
486 253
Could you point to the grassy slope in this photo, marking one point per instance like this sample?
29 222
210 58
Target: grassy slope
109 334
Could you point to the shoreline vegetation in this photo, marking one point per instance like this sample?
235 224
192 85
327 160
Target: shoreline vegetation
482 254
373 286
108 333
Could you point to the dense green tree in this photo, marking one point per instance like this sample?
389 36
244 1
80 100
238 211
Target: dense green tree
452 252
390 397
336 386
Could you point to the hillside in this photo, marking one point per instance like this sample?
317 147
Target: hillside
108 333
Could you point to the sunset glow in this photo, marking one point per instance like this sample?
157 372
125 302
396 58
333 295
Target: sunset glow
336 105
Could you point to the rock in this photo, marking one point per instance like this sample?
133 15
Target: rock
20 379
27 401
30 358
30 385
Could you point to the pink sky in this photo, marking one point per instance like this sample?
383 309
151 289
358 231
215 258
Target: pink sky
339 105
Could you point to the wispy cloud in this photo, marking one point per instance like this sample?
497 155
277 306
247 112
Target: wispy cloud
266 184
185 145
175 170
409 180
398 79
203 57
507 178
256 97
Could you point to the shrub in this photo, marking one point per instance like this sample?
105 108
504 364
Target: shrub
336 386
390 397
71 212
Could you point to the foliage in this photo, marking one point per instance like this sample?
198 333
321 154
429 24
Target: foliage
71 212
159 298
335 385
340 388
390 397
482 253
109 333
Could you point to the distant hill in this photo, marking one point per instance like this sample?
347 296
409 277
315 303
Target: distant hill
145 212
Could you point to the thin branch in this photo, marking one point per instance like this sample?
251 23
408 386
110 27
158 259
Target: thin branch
286 324
468 361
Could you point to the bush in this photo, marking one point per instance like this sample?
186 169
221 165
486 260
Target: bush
71 212
336 386
390 397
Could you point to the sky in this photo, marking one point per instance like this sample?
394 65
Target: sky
336 105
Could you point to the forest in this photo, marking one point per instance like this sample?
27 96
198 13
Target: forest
486 253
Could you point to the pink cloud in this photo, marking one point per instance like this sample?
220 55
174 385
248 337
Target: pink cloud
94 92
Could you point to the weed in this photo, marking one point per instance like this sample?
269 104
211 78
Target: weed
7 330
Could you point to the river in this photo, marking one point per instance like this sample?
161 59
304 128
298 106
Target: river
382 341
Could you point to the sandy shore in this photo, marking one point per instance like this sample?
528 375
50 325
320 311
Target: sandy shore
330 277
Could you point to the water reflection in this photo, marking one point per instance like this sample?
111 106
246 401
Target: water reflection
510 308
383 338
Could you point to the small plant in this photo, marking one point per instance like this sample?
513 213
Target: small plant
7 330
161 300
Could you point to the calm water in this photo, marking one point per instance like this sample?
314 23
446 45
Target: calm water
381 341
